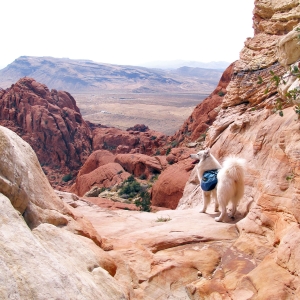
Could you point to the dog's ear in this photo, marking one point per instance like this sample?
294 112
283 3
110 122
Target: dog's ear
206 153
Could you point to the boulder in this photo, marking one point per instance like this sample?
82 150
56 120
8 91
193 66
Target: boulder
60 249
139 164
96 159
168 189
105 176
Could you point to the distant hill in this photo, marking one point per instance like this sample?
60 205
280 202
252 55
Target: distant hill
88 76
175 64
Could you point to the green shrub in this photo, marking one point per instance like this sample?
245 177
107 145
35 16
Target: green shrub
130 187
67 177
144 202
143 176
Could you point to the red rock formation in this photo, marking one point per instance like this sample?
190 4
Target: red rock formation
139 164
138 127
104 176
120 141
267 246
50 122
168 189
96 159
204 113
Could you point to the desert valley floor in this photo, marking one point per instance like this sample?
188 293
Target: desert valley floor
160 112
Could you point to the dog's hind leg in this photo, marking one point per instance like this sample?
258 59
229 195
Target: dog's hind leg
214 195
223 212
206 200
233 211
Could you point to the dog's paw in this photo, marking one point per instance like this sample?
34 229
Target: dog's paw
231 216
202 211
218 219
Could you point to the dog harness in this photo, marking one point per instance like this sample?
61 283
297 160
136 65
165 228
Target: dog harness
209 180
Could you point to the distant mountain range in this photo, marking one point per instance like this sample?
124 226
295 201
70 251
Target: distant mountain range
88 76
175 64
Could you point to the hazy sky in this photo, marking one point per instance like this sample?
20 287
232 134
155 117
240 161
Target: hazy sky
125 31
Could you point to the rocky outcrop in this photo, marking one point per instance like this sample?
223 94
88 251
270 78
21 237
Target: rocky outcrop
246 126
119 141
50 122
105 170
95 160
139 164
168 189
105 176
204 114
159 254
61 254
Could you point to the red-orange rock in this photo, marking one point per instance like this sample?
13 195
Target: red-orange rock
96 159
139 164
104 176
50 122
120 141
204 113
169 187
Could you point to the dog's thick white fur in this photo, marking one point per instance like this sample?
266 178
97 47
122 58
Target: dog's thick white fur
230 187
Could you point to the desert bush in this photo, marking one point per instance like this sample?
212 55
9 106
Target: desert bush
143 176
130 187
67 177
292 95
163 219
144 202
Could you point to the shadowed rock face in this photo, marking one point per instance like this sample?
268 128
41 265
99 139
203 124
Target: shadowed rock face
50 122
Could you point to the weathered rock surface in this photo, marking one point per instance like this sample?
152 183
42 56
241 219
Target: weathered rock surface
121 142
50 122
263 261
169 187
204 114
158 254
106 176
139 164
49 251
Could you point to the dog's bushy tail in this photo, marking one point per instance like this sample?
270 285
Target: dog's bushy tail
232 179
234 167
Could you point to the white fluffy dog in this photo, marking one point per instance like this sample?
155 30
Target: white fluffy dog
230 184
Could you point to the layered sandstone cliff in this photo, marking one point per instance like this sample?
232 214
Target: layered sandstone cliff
264 259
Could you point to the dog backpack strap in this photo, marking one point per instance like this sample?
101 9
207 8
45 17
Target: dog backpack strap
209 180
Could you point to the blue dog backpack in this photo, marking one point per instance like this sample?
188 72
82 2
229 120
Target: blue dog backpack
209 180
